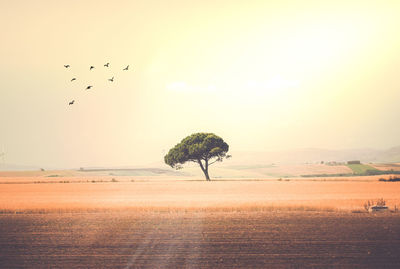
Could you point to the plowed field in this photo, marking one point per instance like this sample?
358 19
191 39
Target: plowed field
296 239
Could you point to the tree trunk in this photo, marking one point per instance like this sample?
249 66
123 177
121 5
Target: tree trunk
206 174
204 169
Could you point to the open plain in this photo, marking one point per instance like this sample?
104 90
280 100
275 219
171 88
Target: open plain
142 222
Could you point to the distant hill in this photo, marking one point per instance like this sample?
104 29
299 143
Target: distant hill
133 171
16 167
313 155
248 164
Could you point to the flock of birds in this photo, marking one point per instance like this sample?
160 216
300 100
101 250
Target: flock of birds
91 86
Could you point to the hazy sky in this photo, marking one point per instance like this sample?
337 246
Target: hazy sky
264 75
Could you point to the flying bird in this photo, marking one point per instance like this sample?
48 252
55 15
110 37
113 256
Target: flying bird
91 67
66 65
72 102
73 79
88 87
126 68
107 64
111 79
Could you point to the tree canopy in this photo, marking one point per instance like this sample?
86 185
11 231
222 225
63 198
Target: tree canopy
202 148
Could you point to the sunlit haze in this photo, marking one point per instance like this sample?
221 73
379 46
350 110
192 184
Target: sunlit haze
263 75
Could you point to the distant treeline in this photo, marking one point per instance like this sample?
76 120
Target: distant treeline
329 175
391 179
380 172
366 173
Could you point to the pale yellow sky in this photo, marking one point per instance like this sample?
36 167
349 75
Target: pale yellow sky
264 75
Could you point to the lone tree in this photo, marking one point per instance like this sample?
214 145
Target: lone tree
202 148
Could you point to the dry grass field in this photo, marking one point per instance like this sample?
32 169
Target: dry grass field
387 166
270 171
224 170
82 194
166 222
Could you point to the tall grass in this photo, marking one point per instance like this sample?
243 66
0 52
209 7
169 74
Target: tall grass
171 209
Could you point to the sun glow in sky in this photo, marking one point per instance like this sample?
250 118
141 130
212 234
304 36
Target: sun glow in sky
262 74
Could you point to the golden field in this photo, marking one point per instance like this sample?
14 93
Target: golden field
99 221
104 193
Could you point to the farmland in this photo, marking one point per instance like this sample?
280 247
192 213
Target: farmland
361 169
166 222
237 239
101 193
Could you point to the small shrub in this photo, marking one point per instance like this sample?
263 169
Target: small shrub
114 180
371 203
367 205
380 202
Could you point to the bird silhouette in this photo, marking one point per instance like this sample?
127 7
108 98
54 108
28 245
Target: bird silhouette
72 102
73 79
91 67
126 68
66 65
107 64
88 87
111 79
